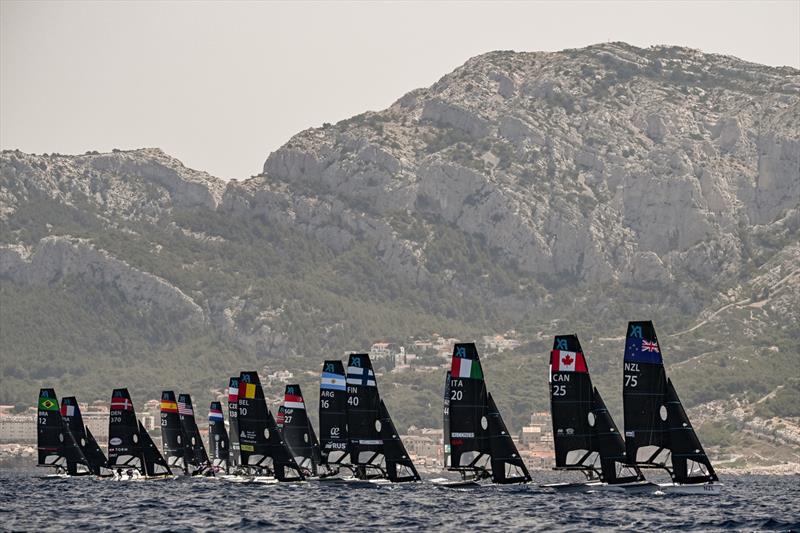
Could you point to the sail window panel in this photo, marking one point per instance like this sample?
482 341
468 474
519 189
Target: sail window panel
575 457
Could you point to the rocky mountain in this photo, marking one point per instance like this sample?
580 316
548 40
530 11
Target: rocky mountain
539 192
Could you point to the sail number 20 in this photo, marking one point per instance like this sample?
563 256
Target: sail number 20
456 395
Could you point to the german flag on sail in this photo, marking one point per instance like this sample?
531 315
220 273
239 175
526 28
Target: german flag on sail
169 406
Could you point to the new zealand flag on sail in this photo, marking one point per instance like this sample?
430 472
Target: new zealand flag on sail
641 344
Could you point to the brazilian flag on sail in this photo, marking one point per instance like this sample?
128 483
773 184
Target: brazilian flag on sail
47 404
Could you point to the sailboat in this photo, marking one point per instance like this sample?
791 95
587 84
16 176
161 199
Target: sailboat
333 436
375 449
658 433
233 422
56 445
263 450
584 434
480 446
196 455
71 413
298 431
218 442
130 449
173 439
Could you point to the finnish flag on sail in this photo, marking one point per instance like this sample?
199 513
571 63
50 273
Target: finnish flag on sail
360 376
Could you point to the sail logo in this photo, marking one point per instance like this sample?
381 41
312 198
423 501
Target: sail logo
562 344
115 441
461 351
462 435
636 332
335 432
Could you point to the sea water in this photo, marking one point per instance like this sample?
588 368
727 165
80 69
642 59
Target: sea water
30 503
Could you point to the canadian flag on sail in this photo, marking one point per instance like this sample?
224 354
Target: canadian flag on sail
565 361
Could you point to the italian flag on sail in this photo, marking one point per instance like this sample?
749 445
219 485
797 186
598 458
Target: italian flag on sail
466 368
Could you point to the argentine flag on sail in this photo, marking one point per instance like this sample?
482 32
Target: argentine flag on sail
331 381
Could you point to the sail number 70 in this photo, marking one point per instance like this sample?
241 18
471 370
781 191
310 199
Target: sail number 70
631 380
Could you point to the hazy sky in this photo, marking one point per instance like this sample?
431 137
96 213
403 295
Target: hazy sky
221 85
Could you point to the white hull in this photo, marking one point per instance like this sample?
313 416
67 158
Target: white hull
710 489
457 483
599 486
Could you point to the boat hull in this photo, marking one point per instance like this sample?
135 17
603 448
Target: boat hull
598 486
710 489
457 483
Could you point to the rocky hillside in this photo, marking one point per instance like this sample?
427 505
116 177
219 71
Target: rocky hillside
541 192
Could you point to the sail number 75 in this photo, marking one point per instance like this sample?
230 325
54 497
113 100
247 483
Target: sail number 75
631 380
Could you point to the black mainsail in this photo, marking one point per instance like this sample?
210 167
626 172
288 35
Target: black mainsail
363 418
218 442
298 432
173 439
507 465
124 441
585 436
262 448
375 447
154 463
658 432
479 440
399 467
333 416
197 456
56 445
233 420
71 413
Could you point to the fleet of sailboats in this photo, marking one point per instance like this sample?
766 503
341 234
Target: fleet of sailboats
359 444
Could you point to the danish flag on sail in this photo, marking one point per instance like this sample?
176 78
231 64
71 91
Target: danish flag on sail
121 404
565 361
